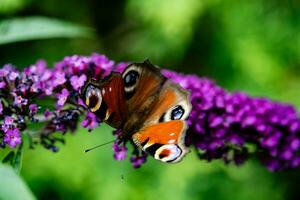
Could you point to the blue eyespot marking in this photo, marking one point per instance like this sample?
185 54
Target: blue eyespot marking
177 113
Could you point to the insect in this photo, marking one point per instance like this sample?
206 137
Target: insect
148 108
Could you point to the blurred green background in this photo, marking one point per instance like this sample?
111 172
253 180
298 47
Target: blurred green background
252 46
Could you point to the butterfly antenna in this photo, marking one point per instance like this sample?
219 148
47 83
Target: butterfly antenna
100 145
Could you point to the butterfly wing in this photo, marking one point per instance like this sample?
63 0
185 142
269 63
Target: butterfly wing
106 98
172 104
124 100
163 133
142 84
141 81
164 141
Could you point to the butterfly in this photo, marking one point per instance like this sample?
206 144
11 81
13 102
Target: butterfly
150 109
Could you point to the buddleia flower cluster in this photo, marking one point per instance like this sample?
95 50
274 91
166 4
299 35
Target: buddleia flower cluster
233 126
222 125
48 97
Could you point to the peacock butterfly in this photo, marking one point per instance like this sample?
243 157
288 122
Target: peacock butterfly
148 108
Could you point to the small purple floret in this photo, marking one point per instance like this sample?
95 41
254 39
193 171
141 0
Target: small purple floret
78 82
62 97
90 121
33 108
12 137
119 150
138 160
1 108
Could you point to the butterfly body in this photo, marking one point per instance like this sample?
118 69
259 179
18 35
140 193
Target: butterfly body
148 108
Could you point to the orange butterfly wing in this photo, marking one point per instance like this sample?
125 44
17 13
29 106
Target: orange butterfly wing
163 134
164 141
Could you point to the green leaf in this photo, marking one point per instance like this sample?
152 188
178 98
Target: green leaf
4 152
8 159
12 187
14 158
33 28
17 161
12 6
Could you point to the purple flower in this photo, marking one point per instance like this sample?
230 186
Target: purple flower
19 100
1 108
8 120
62 97
119 150
78 82
4 71
33 108
121 66
12 137
102 65
49 90
137 160
90 121
81 103
221 121
117 133
47 114
59 78
2 84
12 76
222 125
39 68
8 123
